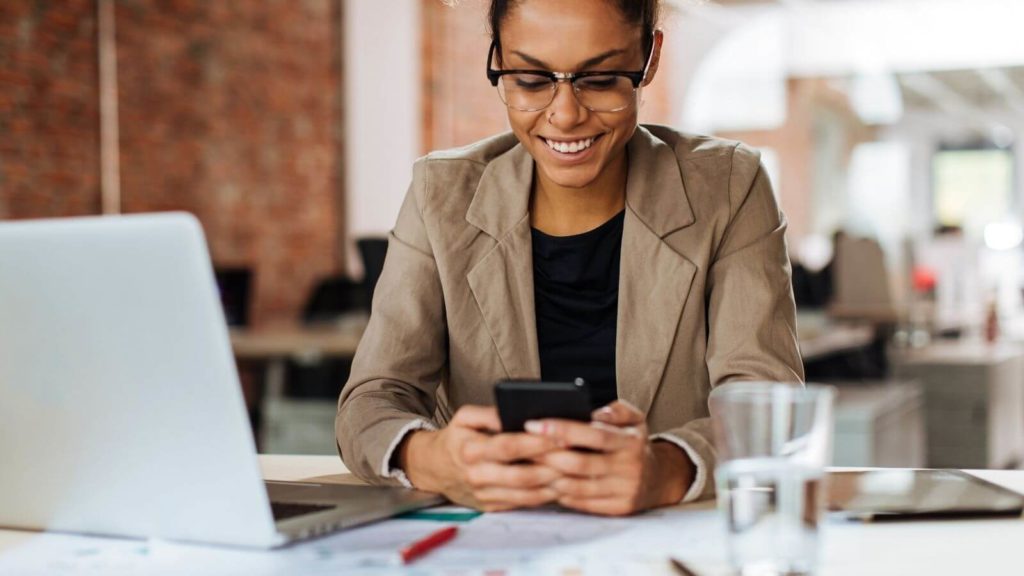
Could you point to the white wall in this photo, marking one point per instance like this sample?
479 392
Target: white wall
382 113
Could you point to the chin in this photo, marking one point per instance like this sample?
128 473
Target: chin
572 177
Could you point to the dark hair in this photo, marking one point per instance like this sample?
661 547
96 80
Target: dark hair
643 13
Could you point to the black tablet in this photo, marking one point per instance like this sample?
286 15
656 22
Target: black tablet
907 494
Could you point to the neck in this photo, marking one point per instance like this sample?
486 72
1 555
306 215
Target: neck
562 211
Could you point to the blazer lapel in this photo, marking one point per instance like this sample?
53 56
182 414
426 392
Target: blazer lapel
502 282
654 279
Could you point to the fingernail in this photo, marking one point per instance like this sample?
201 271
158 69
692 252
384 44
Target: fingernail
605 412
534 427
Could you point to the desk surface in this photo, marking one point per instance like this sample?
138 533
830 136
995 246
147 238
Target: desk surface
837 338
936 548
957 352
295 341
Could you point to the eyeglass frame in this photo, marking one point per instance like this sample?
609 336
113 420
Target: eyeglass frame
635 76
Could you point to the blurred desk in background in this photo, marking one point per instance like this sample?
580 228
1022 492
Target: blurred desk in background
839 350
276 345
879 424
273 344
973 400
835 339
295 425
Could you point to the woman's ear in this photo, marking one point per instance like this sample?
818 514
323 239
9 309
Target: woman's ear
659 37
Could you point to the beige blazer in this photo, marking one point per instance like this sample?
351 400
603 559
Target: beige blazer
704 294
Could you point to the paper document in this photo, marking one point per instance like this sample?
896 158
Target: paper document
555 542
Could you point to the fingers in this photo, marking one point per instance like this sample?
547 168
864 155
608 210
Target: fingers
595 435
496 487
588 488
607 484
579 464
497 498
507 448
482 418
619 413
519 476
602 506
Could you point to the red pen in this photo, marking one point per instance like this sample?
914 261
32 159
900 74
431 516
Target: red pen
426 544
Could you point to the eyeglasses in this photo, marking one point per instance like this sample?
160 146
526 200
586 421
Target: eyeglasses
597 91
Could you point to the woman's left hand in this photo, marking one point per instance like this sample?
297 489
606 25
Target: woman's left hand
623 472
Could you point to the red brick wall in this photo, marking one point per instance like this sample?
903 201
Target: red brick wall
49 109
231 110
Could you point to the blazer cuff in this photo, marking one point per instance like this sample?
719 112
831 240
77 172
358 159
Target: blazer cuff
701 478
394 472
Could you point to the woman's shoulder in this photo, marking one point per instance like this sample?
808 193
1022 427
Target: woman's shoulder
721 165
481 152
447 180
689 146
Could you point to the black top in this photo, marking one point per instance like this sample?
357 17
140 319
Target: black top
576 293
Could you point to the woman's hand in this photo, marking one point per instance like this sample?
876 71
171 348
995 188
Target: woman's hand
624 472
474 465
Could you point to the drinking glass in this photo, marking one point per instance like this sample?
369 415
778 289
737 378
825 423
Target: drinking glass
774 441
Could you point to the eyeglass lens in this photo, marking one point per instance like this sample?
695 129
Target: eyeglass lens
530 92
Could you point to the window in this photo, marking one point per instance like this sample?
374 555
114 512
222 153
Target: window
972 187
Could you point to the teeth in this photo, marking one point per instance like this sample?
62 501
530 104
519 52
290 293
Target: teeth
570 147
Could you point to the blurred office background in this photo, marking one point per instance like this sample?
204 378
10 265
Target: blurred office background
889 128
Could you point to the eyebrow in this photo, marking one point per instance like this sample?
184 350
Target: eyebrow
585 64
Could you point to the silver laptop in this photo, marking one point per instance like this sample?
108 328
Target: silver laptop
120 407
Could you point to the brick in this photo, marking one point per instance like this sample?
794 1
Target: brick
214 100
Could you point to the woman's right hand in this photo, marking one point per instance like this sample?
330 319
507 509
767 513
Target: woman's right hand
473 464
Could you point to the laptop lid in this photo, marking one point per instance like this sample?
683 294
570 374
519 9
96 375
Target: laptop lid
121 411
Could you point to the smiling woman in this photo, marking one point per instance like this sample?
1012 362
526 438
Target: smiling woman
649 262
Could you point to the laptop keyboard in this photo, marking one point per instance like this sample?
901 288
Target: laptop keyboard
285 510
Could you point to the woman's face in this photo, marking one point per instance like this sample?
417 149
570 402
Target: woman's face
573 36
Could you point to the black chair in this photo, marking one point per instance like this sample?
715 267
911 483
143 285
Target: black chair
324 377
332 297
373 252
235 287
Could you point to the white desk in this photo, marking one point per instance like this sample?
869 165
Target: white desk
988 547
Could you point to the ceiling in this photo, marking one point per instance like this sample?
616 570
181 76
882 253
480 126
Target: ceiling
985 89
964 91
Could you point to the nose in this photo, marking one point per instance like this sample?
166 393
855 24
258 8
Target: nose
565 110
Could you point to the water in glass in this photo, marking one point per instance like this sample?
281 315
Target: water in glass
772 509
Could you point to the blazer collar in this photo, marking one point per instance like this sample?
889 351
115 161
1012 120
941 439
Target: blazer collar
502 196
654 188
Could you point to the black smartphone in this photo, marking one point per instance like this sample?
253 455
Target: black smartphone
522 400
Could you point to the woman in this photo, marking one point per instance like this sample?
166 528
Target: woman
649 262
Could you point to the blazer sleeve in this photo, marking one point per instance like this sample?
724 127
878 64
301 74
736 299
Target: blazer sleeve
750 309
402 355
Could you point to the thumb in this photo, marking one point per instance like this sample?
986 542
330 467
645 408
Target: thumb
619 413
479 418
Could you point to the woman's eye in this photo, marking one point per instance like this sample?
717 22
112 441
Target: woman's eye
598 82
531 82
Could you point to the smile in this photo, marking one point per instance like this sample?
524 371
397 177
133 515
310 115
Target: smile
572 147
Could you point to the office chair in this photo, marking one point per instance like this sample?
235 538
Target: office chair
372 250
235 287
